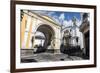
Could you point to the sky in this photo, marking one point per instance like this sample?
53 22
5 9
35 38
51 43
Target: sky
63 18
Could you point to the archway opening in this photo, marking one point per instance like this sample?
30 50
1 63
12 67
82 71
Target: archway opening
48 33
39 38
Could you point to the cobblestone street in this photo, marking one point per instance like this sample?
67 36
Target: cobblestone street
48 57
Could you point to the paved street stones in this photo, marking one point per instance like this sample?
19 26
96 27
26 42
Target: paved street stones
48 57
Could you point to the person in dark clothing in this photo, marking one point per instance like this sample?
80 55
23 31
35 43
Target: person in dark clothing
32 40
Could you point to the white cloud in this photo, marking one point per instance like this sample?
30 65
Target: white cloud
70 23
78 22
56 18
62 16
67 23
40 12
50 13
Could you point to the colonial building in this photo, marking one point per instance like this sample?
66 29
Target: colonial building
73 34
85 29
31 23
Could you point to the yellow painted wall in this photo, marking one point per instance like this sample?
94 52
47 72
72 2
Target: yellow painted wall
29 35
22 33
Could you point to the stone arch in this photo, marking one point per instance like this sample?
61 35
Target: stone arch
49 33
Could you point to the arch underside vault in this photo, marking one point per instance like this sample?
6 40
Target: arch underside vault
48 32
